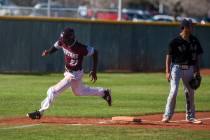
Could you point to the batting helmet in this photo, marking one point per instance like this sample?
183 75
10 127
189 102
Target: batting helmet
68 36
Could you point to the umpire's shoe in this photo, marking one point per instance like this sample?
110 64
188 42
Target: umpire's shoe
107 96
34 115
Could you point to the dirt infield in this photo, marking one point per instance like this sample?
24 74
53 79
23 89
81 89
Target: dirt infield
205 71
148 121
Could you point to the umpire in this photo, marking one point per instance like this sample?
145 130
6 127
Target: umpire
182 62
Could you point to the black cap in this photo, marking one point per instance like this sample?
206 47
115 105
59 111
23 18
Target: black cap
186 23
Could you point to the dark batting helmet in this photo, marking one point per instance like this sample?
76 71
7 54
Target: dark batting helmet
68 36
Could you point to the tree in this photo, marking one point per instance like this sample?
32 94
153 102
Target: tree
190 7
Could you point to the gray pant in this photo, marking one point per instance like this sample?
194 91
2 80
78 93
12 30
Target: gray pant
186 75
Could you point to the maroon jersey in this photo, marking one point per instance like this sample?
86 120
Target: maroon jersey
73 55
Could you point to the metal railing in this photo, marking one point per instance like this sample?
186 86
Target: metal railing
31 11
91 13
76 12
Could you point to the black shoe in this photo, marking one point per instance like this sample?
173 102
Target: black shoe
107 96
34 115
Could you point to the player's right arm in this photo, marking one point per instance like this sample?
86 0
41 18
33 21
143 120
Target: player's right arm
168 65
51 50
169 59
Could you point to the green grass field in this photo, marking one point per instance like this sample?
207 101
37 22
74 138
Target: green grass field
133 95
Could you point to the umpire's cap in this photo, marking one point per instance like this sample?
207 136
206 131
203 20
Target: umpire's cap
186 23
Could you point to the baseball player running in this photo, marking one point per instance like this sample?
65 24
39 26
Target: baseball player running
182 62
73 57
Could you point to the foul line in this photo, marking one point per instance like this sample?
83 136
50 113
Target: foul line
78 124
150 121
21 126
204 119
175 121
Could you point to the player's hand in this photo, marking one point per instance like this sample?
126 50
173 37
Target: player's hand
93 76
168 76
45 53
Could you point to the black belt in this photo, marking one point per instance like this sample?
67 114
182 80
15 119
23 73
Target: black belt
72 70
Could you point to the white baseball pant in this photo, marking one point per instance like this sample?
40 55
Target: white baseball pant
186 75
71 80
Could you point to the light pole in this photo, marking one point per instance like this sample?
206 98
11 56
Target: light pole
119 10
48 8
92 9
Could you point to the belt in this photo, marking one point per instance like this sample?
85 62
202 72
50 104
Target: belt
184 67
72 70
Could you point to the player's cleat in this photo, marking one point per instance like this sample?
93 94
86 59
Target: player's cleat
194 121
107 96
165 120
34 115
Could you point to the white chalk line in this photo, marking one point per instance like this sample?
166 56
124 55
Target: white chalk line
150 121
21 126
175 121
79 124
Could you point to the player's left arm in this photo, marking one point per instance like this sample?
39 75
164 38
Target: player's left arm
93 72
197 65
198 58
90 51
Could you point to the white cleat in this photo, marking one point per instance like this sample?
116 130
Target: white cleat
165 120
194 121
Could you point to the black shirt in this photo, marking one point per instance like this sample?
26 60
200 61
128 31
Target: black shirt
184 52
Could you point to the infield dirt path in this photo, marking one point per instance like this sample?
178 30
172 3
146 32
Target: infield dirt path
148 121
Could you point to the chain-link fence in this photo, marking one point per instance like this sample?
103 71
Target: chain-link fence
56 9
